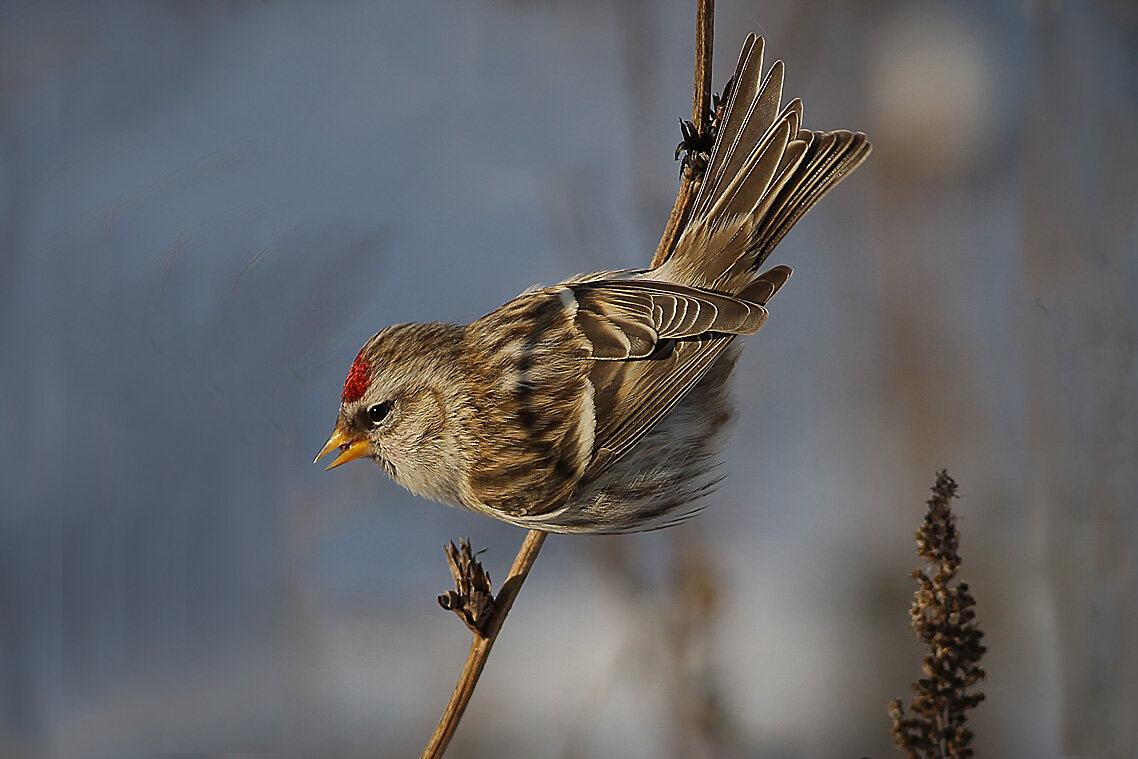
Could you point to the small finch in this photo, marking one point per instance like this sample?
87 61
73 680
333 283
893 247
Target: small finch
596 405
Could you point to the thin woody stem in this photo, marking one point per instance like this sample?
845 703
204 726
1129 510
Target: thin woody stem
481 645
704 33
700 116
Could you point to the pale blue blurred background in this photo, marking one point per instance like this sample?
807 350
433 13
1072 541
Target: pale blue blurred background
206 207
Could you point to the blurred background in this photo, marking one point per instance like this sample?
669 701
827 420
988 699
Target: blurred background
207 207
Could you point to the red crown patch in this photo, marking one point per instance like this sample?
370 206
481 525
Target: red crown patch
356 383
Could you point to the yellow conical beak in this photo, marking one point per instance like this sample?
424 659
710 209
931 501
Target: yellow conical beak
350 449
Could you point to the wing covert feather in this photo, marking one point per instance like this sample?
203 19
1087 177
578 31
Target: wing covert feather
627 319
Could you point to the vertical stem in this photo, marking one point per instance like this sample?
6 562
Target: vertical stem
704 36
700 116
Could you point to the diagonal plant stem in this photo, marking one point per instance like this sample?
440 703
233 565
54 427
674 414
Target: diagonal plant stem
527 554
481 645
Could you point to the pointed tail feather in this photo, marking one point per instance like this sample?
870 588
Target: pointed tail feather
829 159
765 172
766 285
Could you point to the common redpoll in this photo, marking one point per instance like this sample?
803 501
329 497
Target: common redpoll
596 405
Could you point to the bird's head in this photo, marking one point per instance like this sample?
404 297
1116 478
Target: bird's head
399 404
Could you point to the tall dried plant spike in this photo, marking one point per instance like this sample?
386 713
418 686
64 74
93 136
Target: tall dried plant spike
944 619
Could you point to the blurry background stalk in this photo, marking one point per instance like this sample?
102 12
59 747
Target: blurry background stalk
1080 259
206 207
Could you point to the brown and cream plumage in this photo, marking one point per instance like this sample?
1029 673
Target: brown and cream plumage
595 405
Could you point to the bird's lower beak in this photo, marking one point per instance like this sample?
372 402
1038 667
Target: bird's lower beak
349 449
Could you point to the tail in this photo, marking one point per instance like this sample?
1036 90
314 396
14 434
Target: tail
765 172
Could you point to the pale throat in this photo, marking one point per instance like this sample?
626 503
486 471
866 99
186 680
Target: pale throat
428 462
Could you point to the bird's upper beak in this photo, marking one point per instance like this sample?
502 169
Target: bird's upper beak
350 448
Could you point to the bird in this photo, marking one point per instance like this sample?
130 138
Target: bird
597 405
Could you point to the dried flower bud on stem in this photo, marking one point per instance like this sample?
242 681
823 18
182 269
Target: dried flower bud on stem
473 597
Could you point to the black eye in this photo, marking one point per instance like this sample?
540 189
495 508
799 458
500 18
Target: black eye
378 412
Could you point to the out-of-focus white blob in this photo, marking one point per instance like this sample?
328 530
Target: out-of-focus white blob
931 91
